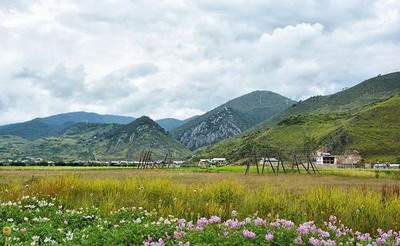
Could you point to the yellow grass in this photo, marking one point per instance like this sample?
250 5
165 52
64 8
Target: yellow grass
362 203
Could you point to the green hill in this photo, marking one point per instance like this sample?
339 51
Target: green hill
89 141
374 131
231 118
366 92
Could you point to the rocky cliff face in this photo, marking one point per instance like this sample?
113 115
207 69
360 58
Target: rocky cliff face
222 124
230 119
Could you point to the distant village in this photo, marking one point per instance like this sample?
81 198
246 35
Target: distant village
320 158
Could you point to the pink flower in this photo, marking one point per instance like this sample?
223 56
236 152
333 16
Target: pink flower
179 234
249 234
269 237
298 241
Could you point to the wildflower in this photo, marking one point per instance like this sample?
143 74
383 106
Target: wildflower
181 223
35 238
249 234
314 242
259 222
269 237
179 234
214 220
234 214
69 236
298 241
183 244
329 243
380 241
7 231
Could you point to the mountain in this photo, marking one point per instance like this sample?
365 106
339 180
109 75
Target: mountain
230 119
33 129
366 92
55 124
364 118
89 141
170 123
374 132
88 117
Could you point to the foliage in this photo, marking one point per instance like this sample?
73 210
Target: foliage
359 208
34 221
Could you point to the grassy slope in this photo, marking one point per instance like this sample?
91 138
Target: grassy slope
87 141
364 93
374 131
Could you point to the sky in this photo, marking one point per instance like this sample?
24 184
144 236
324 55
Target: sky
179 58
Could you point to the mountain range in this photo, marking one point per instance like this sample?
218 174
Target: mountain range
54 125
364 118
97 141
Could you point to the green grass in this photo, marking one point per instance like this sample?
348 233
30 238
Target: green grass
363 199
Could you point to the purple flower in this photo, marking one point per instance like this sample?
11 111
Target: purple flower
232 224
202 222
249 234
181 223
260 222
314 242
380 241
329 243
214 220
282 223
269 237
303 229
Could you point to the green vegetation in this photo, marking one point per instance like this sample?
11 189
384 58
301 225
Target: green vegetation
352 99
48 222
374 131
83 141
363 207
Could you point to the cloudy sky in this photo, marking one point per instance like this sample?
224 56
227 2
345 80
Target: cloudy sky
178 58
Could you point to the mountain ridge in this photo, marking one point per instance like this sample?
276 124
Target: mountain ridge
241 113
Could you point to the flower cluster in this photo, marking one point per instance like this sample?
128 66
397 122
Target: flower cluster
34 221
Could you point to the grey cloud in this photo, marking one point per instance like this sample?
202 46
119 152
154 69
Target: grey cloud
178 58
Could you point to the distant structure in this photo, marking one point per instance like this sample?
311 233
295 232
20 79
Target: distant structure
323 158
214 161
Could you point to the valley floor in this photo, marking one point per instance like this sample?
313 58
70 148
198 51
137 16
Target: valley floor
364 200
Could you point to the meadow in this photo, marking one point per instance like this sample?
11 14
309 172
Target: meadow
363 200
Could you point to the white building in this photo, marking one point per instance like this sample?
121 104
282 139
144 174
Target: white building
218 161
324 158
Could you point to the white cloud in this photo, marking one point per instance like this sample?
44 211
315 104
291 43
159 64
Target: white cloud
176 58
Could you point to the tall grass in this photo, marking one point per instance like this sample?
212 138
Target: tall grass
359 208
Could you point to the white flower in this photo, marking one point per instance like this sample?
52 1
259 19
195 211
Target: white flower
69 236
35 238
